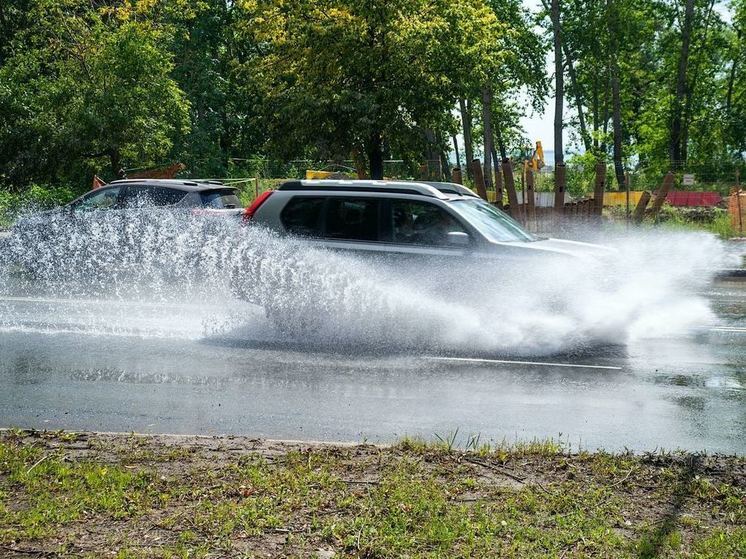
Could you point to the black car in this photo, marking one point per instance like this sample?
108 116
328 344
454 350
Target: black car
138 193
125 221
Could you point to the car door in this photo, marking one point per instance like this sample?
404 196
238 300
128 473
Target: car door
427 243
97 225
350 224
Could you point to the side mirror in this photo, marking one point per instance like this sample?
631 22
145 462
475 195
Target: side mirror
458 239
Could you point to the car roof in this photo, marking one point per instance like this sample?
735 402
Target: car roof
185 185
439 190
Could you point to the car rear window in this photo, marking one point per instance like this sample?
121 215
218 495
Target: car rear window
302 216
220 199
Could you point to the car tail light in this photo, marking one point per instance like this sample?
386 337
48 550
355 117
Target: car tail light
251 210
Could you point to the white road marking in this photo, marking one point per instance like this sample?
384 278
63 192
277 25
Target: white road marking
532 363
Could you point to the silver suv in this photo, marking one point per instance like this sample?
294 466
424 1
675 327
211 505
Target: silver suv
401 218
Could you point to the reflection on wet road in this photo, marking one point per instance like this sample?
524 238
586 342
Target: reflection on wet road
114 366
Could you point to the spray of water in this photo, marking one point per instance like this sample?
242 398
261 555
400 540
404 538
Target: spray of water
207 273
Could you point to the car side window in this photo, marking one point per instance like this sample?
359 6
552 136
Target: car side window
166 196
99 200
145 196
302 216
354 219
421 223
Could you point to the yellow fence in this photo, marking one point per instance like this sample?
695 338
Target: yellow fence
620 198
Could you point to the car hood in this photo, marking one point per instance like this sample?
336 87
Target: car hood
573 248
557 248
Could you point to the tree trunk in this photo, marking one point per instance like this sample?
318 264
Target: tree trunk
616 101
115 159
445 166
559 83
501 144
375 156
496 165
675 143
487 127
432 155
578 103
498 178
617 130
466 125
455 149
596 115
605 115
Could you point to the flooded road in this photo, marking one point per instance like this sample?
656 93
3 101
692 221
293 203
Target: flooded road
108 365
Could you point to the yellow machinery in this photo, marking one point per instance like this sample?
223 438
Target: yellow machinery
537 159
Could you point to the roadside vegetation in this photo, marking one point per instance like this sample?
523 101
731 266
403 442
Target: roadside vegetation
66 494
247 88
714 220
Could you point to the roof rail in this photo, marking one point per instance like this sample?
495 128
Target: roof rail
453 188
394 187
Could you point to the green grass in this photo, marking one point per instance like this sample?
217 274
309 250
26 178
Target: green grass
714 220
125 496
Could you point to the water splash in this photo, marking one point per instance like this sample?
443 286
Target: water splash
162 273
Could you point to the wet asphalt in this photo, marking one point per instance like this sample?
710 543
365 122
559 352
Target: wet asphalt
109 366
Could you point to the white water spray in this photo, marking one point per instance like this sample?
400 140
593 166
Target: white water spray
164 273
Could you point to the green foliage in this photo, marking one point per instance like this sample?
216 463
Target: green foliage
251 87
714 220
36 197
645 39
345 76
85 88
60 492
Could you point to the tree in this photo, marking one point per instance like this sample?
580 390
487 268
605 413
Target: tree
514 74
613 17
345 74
465 112
676 148
83 85
559 82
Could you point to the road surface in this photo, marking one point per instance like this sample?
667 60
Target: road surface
109 365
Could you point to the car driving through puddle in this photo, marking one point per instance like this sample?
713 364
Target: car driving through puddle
438 236
402 218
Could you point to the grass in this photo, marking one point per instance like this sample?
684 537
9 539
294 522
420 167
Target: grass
713 220
127 496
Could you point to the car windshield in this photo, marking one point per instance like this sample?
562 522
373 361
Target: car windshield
491 222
